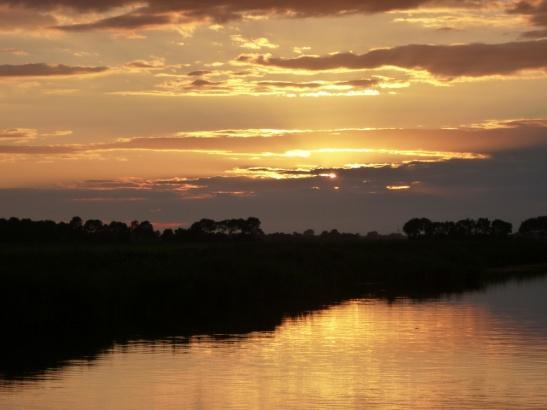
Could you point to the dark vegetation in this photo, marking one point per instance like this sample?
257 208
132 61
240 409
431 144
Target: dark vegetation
16 230
89 284
419 228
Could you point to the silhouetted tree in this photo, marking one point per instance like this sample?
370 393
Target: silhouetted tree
418 228
76 223
465 228
118 232
181 234
483 227
93 228
309 233
26 230
143 231
534 227
168 235
203 227
501 229
251 227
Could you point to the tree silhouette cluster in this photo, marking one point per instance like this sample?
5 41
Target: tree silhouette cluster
208 229
534 227
94 230
26 230
418 228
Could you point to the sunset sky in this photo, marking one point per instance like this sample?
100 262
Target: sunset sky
348 114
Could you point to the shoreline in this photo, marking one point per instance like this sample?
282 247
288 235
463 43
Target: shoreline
63 302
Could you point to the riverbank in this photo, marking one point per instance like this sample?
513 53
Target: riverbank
152 286
63 301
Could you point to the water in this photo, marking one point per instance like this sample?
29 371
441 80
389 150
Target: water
480 350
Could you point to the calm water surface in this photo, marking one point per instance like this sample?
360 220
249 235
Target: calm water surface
480 350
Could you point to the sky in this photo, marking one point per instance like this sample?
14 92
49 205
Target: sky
356 114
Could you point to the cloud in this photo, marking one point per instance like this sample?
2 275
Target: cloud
290 84
47 70
17 133
353 179
57 133
476 141
253 44
536 11
154 63
38 150
228 83
300 50
509 185
199 73
445 61
127 22
22 136
365 83
134 15
526 123
264 154
17 19
14 51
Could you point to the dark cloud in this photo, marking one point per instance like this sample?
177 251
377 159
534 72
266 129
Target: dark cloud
124 22
447 61
146 64
524 123
224 9
46 70
161 12
366 83
204 83
537 14
154 13
201 84
289 84
199 73
80 5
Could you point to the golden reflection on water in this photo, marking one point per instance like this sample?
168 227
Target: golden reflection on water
361 354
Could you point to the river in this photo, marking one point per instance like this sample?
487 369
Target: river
484 350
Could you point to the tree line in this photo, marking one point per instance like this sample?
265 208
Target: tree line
423 228
94 230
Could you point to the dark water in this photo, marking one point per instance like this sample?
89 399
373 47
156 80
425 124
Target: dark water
482 350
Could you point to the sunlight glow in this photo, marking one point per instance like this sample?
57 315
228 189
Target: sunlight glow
398 187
